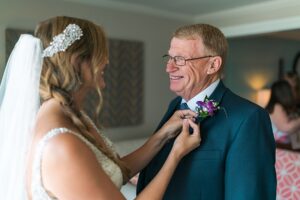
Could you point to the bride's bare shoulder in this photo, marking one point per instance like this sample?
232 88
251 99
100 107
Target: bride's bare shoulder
51 116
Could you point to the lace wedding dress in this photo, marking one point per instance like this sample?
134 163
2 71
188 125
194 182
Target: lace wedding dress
110 168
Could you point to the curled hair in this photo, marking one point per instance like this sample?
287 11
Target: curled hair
213 39
281 93
61 74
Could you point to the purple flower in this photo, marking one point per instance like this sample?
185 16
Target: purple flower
206 108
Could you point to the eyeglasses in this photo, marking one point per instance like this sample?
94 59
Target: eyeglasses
180 61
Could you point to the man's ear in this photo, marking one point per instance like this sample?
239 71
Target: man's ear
215 65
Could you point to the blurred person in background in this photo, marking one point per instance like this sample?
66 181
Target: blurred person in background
283 111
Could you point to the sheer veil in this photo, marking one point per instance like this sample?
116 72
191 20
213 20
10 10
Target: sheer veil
19 103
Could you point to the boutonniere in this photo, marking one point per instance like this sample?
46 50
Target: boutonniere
207 108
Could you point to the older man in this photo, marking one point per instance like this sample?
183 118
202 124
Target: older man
236 158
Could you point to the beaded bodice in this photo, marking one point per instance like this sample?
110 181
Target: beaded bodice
110 168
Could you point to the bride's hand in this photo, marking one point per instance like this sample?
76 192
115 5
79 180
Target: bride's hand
186 142
173 126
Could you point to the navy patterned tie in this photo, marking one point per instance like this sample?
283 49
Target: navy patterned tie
183 106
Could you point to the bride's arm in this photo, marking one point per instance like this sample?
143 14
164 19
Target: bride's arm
183 144
139 158
70 169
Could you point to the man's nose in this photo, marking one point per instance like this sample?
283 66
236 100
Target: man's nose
171 66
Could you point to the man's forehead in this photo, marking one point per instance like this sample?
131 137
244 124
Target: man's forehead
187 45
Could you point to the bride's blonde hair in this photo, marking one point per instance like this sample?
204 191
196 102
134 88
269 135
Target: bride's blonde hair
61 74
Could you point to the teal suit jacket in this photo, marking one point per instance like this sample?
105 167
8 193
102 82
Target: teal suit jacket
235 160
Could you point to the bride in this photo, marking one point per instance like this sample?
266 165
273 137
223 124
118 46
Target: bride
49 148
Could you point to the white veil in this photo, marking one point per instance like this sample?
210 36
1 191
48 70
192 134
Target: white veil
19 103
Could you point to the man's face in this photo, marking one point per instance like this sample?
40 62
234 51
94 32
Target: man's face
188 80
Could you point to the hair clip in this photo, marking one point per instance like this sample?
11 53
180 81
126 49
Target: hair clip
63 40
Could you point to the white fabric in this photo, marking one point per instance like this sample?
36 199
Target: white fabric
109 167
200 96
19 102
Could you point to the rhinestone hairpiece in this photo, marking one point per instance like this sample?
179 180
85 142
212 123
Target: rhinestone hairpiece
63 40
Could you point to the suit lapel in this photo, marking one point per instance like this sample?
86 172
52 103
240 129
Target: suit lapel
172 108
217 95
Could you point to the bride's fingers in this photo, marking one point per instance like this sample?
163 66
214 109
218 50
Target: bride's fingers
187 114
195 127
185 126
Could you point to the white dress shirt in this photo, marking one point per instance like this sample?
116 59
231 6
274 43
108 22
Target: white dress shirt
200 96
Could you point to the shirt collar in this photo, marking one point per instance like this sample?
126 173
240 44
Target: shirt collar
201 95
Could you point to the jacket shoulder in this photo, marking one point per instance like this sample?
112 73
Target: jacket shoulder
240 104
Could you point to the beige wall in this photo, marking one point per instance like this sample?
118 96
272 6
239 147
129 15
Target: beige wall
153 31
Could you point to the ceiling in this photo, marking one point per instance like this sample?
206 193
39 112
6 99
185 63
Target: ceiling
290 35
193 10
180 8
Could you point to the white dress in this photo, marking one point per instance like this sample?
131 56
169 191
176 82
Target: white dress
110 168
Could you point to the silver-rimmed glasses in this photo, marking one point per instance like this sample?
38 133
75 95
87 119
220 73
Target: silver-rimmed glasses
179 60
